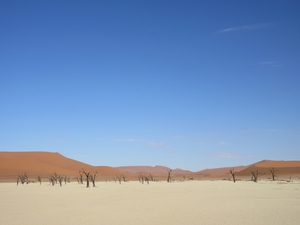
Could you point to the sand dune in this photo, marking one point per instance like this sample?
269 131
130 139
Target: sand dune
283 168
46 163
220 173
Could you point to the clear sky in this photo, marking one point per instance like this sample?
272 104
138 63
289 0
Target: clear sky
188 84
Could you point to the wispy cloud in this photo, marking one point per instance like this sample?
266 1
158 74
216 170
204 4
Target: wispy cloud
212 143
271 130
148 143
178 137
128 140
270 63
222 143
158 145
229 155
246 27
60 140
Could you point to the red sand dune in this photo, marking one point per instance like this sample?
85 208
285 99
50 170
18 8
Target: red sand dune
218 172
283 168
45 163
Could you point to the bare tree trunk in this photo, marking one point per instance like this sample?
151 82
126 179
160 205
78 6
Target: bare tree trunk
23 178
52 180
39 178
87 175
151 177
60 180
255 175
65 179
232 172
119 177
93 178
80 177
169 179
147 179
273 171
55 176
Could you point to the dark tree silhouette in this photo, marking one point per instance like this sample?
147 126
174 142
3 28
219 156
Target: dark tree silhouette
87 175
124 178
119 178
52 180
255 175
147 179
151 178
66 179
273 171
169 175
23 178
141 178
55 177
80 177
93 178
232 172
60 180
39 178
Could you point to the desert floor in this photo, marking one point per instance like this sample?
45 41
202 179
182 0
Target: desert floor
192 202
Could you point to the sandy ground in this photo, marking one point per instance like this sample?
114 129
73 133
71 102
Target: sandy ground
193 202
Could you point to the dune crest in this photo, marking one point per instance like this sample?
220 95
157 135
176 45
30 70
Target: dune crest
45 163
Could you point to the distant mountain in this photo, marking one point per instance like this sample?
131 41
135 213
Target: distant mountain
144 169
151 169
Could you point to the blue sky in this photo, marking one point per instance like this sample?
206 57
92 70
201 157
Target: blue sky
186 84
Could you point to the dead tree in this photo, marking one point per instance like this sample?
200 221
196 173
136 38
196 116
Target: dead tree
232 172
23 178
124 178
60 180
52 180
169 179
55 177
80 177
93 178
39 178
66 179
151 178
87 175
141 178
119 178
147 179
255 175
273 171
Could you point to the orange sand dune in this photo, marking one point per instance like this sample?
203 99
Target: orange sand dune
45 164
218 173
277 164
282 168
